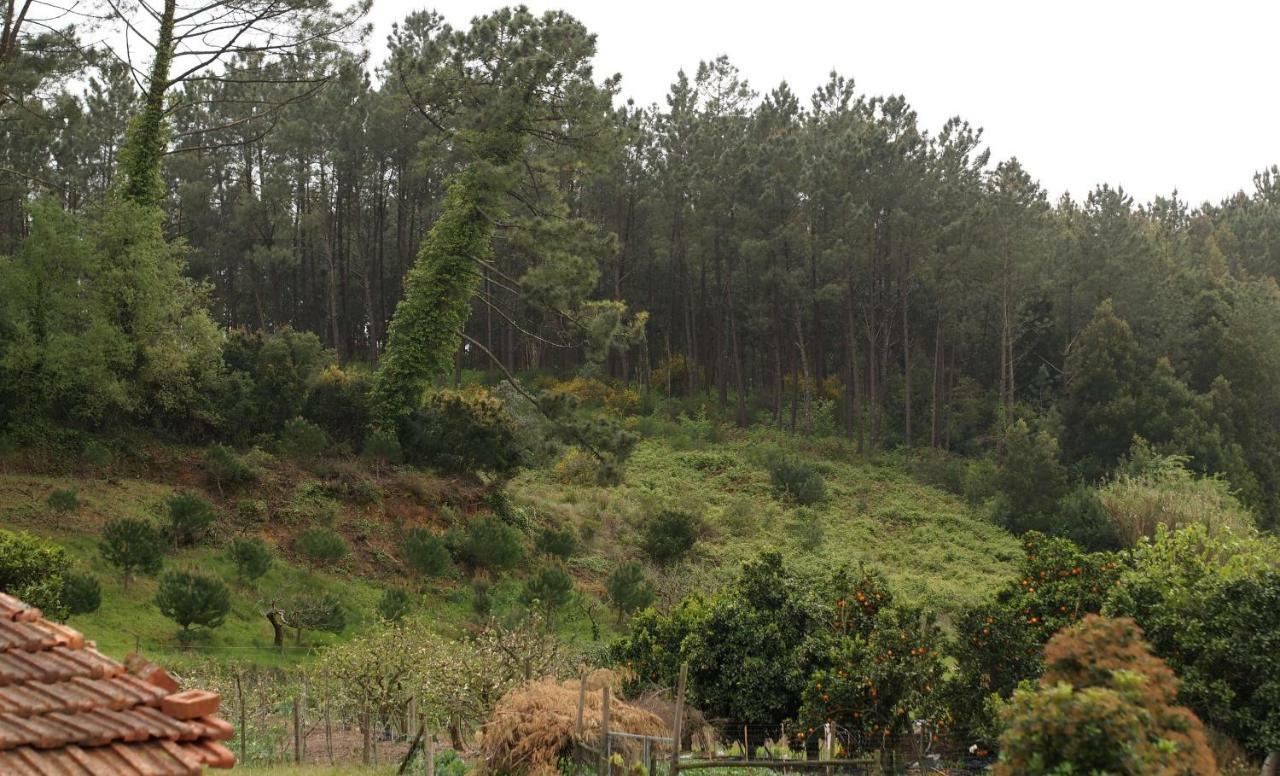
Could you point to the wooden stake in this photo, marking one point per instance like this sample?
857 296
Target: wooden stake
244 726
297 733
429 752
605 765
328 727
676 727
582 701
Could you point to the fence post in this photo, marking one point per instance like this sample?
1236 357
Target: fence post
328 727
366 754
244 723
582 700
297 733
606 767
430 754
677 723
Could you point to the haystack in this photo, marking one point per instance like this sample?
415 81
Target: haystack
534 726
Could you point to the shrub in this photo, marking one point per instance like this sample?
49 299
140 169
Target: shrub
1029 479
251 557
1084 519
481 598
32 569
1104 705
303 439
189 599
225 469
461 432
382 449
338 402
63 501
81 593
1165 492
250 513
559 543
670 535
797 481
628 589
132 546
189 517
320 546
491 544
547 589
426 553
394 604
576 467
807 528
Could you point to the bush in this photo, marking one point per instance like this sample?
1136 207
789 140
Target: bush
303 439
489 543
32 569
1084 519
81 593
382 449
670 535
1029 479
316 612
576 467
132 546
797 481
559 543
189 517
320 546
338 402
808 530
63 501
394 604
250 513
547 589
1104 705
481 598
426 553
190 599
628 590
251 557
461 432
225 469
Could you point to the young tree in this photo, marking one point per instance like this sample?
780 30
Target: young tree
189 517
628 589
549 588
315 612
394 604
251 557
670 535
81 593
189 599
133 546
489 543
320 546
426 553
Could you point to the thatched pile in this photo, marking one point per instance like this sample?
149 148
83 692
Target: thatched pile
533 726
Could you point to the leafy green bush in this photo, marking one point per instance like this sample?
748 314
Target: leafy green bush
669 535
251 557
81 593
303 439
488 543
426 553
559 543
549 588
382 449
133 546
628 589
461 432
481 598
807 528
797 481
189 599
189 517
33 569
394 604
226 469
1104 705
320 546
1029 479
338 402
63 501
1084 519
250 513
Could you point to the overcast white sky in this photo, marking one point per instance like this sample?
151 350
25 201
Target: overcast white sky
1149 95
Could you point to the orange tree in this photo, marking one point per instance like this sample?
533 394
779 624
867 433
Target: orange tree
998 642
1104 705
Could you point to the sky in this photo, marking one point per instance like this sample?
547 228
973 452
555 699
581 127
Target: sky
1151 96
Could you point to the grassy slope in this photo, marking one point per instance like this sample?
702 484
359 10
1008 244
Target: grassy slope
934 550
932 546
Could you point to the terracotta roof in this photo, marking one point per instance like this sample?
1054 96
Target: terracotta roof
67 709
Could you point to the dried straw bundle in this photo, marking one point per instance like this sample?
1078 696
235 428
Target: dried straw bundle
534 725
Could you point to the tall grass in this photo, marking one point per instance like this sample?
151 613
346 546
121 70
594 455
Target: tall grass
1164 491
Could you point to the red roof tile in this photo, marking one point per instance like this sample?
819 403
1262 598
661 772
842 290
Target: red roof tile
67 709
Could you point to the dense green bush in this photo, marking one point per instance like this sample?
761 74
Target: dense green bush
226 469
461 432
1084 519
807 528
426 553
1104 705
320 546
559 543
33 569
1029 479
338 402
189 599
669 535
547 589
189 517
628 589
250 514
302 439
133 546
489 543
251 557
394 604
797 481
271 374
382 449
81 593
63 501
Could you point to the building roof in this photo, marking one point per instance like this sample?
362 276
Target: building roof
67 709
